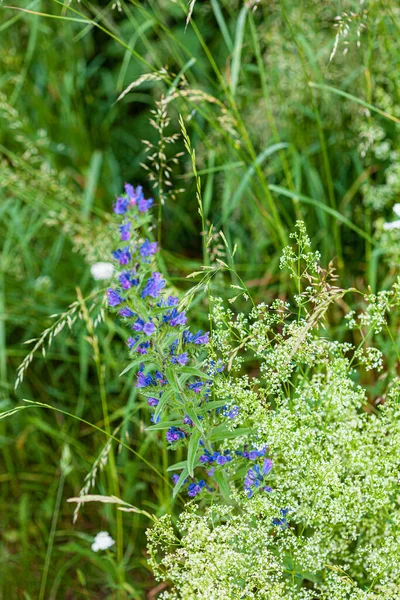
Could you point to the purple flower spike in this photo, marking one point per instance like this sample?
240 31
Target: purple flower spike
148 248
121 206
123 256
114 298
149 328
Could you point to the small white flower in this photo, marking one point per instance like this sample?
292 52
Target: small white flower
102 541
392 225
396 209
102 270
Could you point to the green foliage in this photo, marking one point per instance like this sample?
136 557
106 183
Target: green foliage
270 150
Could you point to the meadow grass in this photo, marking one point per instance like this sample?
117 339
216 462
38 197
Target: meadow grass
280 133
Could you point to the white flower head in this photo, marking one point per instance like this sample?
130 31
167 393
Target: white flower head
102 270
396 209
102 541
391 225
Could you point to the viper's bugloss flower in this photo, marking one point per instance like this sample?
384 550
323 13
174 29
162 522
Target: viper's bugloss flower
123 256
121 206
113 297
160 379
232 413
187 420
138 325
181 359
131 342
253 454
174 434
175 478
148 248
218 457
149 328
145 205
280 522
154 285
143 348
125 231
126 312
132 193
255 477
196 386
152 401
155 419
196 338
144 380
127 280
178 318
195 488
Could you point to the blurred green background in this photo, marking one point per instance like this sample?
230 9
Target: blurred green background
270 149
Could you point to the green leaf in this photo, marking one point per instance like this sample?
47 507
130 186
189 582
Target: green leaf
193 451
237 50
164 425
177 466
223 433
163 401
220 478
195 372
131 365
180 482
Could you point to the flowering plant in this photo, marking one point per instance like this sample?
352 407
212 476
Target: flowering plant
296 469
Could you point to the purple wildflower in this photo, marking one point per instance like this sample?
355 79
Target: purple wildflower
148 248
196 338
143 348
181 359
149 328
152 401
195 488
196 387
121 206
123 256
174 434
175 478
145 205
154 285
255 477
125 231
232 413
187 421
126 312
131 342
126 280
138 325
178 318
144 380
114 298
